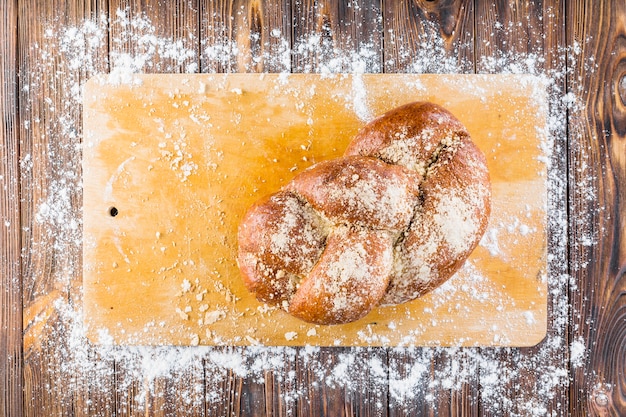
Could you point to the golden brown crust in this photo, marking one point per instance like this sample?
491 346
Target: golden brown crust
359 190
391 220
447 228
409 135
280 239
349 280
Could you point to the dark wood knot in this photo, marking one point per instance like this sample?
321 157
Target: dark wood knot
444 13
616 115
601 396
621 88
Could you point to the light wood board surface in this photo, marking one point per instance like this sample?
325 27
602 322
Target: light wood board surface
181 158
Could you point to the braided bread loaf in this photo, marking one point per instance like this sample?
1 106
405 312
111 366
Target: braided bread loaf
392 219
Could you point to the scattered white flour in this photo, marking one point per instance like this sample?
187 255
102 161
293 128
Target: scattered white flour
408 372
577 352
291 335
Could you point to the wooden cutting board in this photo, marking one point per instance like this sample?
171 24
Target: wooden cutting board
171 163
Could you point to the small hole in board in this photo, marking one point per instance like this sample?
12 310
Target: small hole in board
113 211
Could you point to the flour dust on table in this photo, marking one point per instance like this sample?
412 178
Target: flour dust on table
58 214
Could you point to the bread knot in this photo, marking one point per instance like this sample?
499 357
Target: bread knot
392 219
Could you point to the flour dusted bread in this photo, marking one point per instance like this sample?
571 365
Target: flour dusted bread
455 193
392 219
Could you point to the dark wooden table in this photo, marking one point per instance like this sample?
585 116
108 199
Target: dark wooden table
47 370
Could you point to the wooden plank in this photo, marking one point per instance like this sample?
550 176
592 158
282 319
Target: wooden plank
529 36
429 36
42 372
261 30
598 184
217 43
221 384
156 37
159 382
317 27
251 398
11 379
178 392
491 44
281 390
552 47
342 382
133 394
245 36
250 381
189 383
94 386
335 36
91 389
51 196
434 381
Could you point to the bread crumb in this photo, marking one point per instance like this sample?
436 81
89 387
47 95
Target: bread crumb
229 296
213 316
530 317
252 340
182 314
311 332
185 286
291 335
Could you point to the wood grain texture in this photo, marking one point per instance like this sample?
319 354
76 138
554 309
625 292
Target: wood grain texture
533 31
49 178
34 250
326 36
440 31
219 388
217 43
262 36
172 43
357 387
245 36
331 36
158 39
10 242
421 383
598 187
